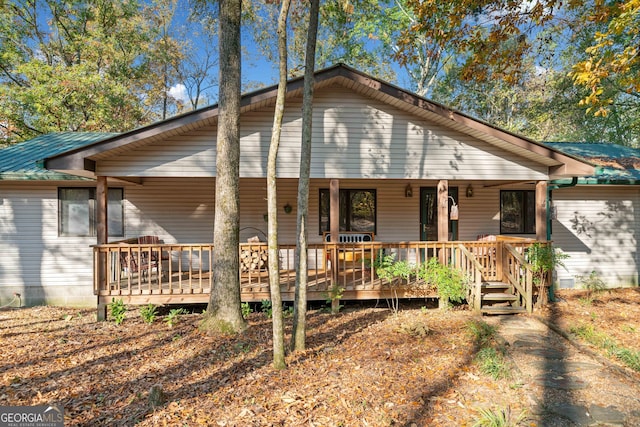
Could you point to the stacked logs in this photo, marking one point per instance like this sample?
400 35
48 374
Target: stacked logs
253 259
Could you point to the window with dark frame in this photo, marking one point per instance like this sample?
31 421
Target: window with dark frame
357 210
517 212
77 212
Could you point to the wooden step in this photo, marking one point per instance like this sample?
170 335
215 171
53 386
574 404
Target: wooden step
495 285
502 310
499 296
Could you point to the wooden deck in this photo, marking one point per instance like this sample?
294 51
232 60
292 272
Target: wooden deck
179 274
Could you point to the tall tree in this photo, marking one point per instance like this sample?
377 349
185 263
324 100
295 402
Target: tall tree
298 337
67 65
223 312
272 200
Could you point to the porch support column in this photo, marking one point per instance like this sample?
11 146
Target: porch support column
541 210
334 229
102 233
443 210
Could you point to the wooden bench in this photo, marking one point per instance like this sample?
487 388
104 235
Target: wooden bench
351 237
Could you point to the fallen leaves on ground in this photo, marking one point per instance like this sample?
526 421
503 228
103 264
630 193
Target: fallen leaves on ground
362 367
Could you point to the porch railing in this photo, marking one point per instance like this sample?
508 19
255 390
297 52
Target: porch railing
132 269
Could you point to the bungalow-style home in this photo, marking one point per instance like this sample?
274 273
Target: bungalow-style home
597 217
85 218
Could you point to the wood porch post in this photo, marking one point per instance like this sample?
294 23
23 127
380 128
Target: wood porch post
334 229
541 210
102 232
443 210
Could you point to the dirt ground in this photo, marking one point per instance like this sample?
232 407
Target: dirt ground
363 367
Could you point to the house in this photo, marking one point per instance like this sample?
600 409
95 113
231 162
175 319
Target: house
415 176
597 217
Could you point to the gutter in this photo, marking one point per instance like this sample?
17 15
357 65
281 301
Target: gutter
555 185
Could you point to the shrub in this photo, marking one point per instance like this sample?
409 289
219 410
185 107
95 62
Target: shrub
265 307
246 309
174 316
118 310
450 283
148 313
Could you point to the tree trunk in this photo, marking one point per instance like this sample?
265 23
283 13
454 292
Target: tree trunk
223 312
272 201
300 304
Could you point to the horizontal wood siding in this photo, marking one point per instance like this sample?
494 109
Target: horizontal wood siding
598 227
35 262
353 137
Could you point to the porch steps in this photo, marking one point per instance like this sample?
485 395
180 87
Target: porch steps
496 299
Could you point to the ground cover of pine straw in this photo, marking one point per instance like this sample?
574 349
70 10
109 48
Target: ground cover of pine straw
363 366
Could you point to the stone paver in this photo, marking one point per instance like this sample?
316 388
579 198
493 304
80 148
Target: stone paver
567 387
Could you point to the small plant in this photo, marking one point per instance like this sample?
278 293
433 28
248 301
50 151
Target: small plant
174 316
543 259
148 313
246 309
499 418
393 273
493 363
613 349
482 332
450 283
333 296
265 307
287 311
118 310
593 284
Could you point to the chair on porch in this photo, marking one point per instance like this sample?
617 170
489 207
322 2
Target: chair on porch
135 261
143 261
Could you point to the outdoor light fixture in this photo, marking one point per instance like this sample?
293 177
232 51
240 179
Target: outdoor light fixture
469 191
453 215
408 191
287 208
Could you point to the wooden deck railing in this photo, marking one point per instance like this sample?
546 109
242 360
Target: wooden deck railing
182 272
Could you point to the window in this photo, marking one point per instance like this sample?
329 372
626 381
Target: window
517 212
357 210
77 212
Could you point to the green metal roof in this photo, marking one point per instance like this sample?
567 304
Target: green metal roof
615 164
24 161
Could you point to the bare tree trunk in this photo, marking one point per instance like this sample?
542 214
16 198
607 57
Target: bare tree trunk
300 305
224 313
272 201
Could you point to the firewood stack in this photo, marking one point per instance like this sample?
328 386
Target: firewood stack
253 258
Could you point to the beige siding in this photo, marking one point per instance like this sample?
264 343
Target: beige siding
354 137
35 262
598 227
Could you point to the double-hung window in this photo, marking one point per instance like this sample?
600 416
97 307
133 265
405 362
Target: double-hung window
517 212
77 212
357 210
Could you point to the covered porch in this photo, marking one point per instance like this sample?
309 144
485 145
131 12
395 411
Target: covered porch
180 274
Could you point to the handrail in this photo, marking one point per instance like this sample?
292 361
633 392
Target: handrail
475 296
123 268
527 291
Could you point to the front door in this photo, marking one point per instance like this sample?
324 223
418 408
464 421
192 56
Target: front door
429 213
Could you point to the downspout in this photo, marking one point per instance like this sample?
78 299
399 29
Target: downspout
550 188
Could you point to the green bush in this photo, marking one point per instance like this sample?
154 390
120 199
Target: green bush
246 310
265 307
148 313
174 316
118 310
450 283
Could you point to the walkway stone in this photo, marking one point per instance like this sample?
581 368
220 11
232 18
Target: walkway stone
566 387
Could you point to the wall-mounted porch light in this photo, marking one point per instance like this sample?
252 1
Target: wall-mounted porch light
408 191
287 208
469 191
